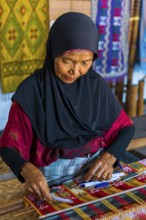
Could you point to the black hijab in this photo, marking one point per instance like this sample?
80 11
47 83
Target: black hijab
68 115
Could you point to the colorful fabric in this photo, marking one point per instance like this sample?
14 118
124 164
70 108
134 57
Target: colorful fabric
23 29
116 202
112 20
142 42
20 135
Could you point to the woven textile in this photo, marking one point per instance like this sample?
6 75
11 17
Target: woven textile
120 200
23 30
112 20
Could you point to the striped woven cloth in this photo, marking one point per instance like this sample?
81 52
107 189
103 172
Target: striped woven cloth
120 200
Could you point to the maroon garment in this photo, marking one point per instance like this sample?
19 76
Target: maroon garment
19 134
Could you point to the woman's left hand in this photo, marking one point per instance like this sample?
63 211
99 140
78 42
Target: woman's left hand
102 169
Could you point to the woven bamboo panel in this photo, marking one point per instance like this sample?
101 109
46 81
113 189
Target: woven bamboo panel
56 8
23 214
6 217
11 190
3 167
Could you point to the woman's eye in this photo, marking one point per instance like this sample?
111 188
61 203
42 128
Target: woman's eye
85 63
67 61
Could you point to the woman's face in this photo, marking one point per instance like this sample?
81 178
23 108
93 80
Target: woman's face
72 65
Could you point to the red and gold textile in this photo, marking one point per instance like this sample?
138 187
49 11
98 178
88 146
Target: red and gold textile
120 200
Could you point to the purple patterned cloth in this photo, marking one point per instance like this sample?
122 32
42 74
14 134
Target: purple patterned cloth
143 36
112 20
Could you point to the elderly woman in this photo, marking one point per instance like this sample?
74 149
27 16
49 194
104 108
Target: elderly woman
64 114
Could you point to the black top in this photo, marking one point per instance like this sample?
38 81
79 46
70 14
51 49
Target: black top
79 111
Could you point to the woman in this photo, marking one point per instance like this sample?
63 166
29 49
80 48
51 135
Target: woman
64 114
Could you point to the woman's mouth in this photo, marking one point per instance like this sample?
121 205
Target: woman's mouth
69 78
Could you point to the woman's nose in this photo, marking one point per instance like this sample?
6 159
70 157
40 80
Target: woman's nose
71 72
74 70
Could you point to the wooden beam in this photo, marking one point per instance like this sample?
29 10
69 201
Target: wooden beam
136 143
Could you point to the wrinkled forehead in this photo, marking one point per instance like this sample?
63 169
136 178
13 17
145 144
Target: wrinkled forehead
77 50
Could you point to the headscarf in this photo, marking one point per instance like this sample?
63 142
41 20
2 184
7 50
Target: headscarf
68 115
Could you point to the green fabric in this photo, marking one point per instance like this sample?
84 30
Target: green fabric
23 33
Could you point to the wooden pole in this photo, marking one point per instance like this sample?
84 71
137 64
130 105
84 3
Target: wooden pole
133 33
134 24
140 101
132 100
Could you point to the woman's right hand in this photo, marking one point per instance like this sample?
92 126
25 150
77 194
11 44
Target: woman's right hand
35 181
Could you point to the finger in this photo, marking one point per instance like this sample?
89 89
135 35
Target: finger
98 174
94 177
92 171
103 174
30 190
45 192
37 191
110 175
107 175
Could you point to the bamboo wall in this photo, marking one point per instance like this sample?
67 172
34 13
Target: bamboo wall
58 7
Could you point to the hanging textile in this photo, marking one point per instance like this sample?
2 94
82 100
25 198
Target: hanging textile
23 30
112 20
142 42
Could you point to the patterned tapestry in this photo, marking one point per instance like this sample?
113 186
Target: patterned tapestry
23 33
142 42
112 20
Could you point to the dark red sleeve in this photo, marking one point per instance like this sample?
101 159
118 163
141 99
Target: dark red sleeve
18 133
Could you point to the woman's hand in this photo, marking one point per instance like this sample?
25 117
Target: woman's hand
35 181
102 169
